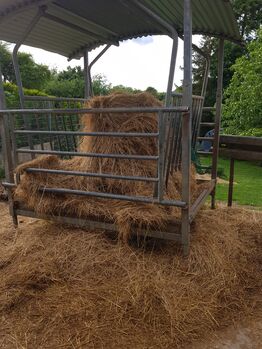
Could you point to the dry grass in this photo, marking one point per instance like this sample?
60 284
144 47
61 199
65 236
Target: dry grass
123 214
68 288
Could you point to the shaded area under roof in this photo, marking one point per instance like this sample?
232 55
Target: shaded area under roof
68 27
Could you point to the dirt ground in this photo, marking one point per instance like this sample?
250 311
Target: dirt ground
246 334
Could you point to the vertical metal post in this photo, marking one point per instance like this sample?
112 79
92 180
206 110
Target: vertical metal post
6 146
18 76
186 126
24 35
231 183
161 157
87 75
219 98
168 102
168 99
205 79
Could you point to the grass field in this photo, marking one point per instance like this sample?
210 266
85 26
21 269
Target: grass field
248 182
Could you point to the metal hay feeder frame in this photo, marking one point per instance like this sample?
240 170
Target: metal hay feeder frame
174 146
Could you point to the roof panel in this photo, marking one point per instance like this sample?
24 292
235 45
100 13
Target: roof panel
89 24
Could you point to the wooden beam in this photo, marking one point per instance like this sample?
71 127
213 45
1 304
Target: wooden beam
239 154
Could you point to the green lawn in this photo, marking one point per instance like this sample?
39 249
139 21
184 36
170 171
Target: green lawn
248 182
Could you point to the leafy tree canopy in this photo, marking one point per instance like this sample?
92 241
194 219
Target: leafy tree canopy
249 17
34 76
243 106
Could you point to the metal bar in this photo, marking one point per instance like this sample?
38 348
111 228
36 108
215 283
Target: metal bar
168 100
207 124
157 18
207 68
74 139
13 140
113 196
176 94
205 139
95 134
161 154
209 109
177 146
58 137
38 128
197 122
20 7
89 67
23 37
218 116
73 26
231 183
186 125
54 99
204 152
49 123
181 109
66 136
205 80
200 201
90 174
99 55
94 155
7 150
88 83
98 225
177 151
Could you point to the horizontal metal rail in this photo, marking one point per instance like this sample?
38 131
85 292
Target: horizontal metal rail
90 174
94 134
54 99
209 109
174 94
113 196
207 124
210 139
95 224
94 155
204 152
181 109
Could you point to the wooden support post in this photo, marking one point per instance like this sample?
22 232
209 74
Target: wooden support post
231 182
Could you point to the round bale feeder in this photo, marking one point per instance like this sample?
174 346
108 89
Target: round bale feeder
50 126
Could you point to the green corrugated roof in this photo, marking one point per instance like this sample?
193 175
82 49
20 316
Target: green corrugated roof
98 22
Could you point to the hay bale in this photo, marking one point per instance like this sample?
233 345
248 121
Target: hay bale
153 215
64 288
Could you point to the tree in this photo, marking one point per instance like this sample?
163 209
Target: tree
101 86
33 75
6 62
243 106
249 17
70 83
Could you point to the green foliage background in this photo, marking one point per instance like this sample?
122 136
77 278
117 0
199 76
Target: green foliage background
243 105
